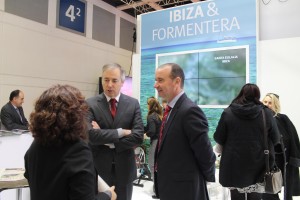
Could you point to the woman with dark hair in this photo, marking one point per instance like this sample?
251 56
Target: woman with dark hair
154 117
240 131
59 163
152 129
292 150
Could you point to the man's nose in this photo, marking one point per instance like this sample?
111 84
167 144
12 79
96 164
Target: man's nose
110 83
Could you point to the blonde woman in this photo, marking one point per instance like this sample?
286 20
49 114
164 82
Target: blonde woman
292 149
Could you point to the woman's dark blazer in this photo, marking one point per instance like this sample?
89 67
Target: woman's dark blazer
292 146
153 126
62 172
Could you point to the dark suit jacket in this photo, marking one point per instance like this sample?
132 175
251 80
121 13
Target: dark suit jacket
185 160
62 173
11 119
128 116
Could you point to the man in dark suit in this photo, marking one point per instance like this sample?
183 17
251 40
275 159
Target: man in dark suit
184 156
12 114
116 129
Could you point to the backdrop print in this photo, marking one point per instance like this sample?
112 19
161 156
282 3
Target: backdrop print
213 41
213 77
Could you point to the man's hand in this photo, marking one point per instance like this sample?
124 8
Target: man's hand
126 132
95 125
113 193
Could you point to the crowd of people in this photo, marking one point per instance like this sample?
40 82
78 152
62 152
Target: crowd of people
84 148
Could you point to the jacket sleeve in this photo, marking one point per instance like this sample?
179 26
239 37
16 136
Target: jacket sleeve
196 128
83 177
294 158
137 131
220 134
100 136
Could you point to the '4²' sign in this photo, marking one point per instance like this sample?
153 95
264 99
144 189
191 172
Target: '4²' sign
72 15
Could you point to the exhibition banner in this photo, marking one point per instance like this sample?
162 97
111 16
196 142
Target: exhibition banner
213 41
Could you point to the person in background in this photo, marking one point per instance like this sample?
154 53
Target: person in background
152 129
292 150
59 163
184 158
115 129
240 132
164 104
12 114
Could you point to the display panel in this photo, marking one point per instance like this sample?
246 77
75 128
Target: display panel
213 77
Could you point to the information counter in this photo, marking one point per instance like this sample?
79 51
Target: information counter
13 147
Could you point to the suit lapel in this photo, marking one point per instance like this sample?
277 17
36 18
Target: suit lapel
16 115
104 107
171 117
122 105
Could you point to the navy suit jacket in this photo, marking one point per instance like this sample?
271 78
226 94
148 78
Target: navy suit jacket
11 119
128 116
185 159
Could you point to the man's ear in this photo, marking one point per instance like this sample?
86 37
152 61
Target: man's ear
178 80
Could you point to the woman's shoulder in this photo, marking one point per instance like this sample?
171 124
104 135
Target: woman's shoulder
154 117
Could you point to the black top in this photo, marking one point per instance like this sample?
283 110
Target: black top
61 173
292 146
153 126
240 132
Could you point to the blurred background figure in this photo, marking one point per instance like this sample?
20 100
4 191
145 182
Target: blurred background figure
59 163
152 128
240 132
291 143
12 114
164 104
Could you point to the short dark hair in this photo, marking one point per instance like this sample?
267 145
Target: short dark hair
14 94
249 93
59 116
176 71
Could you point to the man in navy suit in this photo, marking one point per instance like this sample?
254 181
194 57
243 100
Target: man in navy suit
185 160
12 114
116 128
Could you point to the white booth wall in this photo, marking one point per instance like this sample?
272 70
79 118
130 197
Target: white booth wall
34 56
278 53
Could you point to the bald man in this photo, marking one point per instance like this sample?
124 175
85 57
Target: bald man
12 114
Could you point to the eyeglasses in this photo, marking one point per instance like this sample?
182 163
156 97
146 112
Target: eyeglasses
276 95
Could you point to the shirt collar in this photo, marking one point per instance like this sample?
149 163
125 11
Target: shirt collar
14 105
175 99
117 97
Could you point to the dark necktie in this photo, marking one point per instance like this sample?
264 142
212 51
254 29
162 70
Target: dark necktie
113 108
163 122
18 111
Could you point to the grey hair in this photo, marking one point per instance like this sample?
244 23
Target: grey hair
115 66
